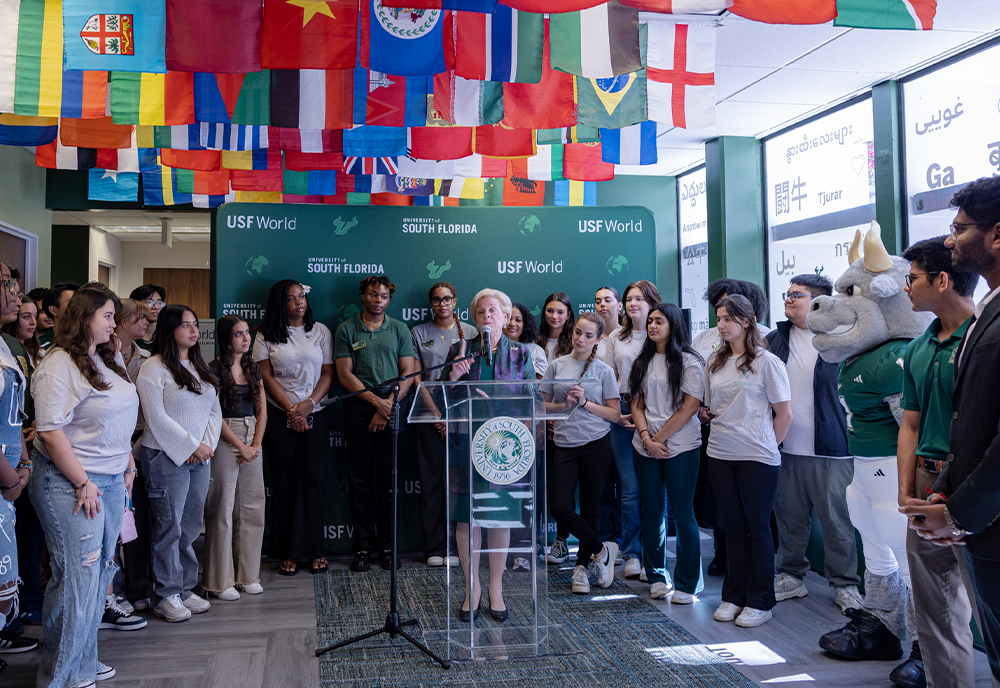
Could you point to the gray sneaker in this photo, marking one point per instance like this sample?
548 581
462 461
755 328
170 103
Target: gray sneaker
196 604
787 586
171 609
848 597
558 553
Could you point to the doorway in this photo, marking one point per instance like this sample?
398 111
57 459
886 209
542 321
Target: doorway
188 286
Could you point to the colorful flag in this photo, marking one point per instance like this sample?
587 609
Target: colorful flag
392 199
206 161
180 137
388 100
203 201
361 183
487 6
404 41
786 11
10 16
124 35
518 190
634 145
547 104
435 201
578 134
159 188
596 43
306 140
679 6
258 196
17 130
305 162
503 46
459 187
477 166
127 159
56 156
163 99
233 98
256 180
583 162
680 71
409 186
94 133
258 159
552 6
205 183
213 35
501 141
546 164
887 14
612 103
386 165
374 141
312 98
234 137
109 185
492 194
467 102
315 183
425 169
39 64
309 34
572 193
437 143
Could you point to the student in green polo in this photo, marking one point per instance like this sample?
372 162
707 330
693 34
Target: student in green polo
940 599
369 349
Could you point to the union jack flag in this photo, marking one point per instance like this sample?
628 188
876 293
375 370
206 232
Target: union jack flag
354 165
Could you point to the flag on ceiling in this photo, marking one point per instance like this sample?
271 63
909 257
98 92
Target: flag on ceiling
634 145
467 102
304 162
315 183
886 14
56 156
492 194
425 169
94 133
503 46
573 193
679 6
680 74
551 6
435 200
404 41
10 16
309 34
312 98
203 201
392 199
518 190
386 165
206 161
206 183
179 137
233 98
436 143
18 130
546 164
158 99
486 6
786 11
477 166
583 162
109 185
613 103
39 62
374 141
361 183
159 187
409 186
257 159
213 35
501 141
578 134
234 137
114 35
258 196
306 140
389 100
132 159
547 104
257 180
459 187
597 43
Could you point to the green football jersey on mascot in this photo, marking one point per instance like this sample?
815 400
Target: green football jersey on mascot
863 386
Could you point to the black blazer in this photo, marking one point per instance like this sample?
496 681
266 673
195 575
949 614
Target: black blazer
971 479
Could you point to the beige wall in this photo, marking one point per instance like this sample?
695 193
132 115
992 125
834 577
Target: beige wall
136 255
108 250
22 203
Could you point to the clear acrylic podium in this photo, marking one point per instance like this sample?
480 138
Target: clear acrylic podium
494 482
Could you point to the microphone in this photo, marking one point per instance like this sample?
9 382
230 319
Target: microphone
487 354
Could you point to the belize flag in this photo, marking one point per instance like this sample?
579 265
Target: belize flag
404 41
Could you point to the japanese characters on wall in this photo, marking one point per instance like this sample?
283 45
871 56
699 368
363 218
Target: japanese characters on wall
692 216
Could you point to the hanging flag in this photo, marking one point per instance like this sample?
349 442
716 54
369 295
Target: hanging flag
56 156
583 162
39 62
258 159
409 186
309 34
202 201
887 14
435 201
361 183
459 187
547 104
680 84
180 137
679 6
256 180
159 188
258 196
312 98
10 16
306 140
163 99
467 102
213 35
374 141
518 190
304 162
477 166
503 46
109 185
546 164
425 169
205 183
501 141
635 145
436 143
354 165
123 36
388 100
234 137
492 194
392 199
17 130
578 134
94 133
84 94
315 183
131 159
612 103
206 161
596 43
233 98
487 6
574 193
404 41
786 11
552 6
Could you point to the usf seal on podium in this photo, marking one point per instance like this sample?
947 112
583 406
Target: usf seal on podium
503 450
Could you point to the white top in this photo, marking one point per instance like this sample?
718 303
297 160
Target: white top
660 406
620 354
708 341
538 358
178 421
742 429
977 313
582 426
298 363
97 423
801 365
550 349
432 345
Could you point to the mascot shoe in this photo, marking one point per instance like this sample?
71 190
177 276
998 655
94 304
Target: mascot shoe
864 637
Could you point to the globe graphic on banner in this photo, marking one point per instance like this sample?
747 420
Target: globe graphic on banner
257 266
348 311
617 265
529 224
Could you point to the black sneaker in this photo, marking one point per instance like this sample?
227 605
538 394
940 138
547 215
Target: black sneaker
118 619
362 561
11 644
386 560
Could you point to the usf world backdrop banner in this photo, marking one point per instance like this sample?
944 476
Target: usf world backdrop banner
526 252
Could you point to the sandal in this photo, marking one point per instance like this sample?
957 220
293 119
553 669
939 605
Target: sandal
288 567
319 565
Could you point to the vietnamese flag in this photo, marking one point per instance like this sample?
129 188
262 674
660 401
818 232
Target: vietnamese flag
309 34
214 35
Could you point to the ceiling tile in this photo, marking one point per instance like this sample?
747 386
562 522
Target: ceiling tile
807 86
731 79
753 44
757 117
872 50
968 15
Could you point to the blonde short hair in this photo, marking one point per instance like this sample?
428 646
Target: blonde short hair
505 304
131 311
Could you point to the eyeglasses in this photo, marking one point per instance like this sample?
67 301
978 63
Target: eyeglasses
10 285
444 300
956 228
150 303
910 277
794 296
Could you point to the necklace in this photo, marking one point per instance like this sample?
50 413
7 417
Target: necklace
369 325
441 333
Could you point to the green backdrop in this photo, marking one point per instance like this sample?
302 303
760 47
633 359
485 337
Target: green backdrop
526 252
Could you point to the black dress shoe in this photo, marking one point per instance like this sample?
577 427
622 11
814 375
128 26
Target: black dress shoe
910 674
386 560
864 637
464 615
362 561
498 616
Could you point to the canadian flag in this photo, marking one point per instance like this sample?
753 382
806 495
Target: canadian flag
680 76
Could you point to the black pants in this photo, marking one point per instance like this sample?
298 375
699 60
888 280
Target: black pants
30 547
296 461
562 530
745 491
985 575
609 524
137 564
365 450
430 462
586 466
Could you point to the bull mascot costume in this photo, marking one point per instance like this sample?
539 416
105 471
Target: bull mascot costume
865 328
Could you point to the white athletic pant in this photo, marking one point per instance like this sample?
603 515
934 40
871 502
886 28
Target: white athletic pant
872 501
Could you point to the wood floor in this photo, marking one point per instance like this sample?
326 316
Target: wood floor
268 641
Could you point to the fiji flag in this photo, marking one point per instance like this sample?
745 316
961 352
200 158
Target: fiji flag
404 41
634 145
124 36
108 185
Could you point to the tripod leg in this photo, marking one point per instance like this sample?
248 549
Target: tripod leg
444 663
350 641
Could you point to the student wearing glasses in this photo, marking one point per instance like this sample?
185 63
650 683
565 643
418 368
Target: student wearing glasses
154 297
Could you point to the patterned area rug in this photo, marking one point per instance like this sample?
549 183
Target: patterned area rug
592 643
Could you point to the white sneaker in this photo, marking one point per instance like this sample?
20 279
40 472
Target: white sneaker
581 580
171 609
453 562
642 575
606 565
118 619
435 561
252 589
750 617
230 594
632 568
104 672
196 604
727 611
141 605
787 586
659 589
680 597
124 604
848 597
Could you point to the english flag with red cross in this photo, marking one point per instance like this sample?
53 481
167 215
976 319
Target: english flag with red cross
680 74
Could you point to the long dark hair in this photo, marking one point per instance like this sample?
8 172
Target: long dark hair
274 327
618 297
565 344
454 311
73 334
652 296
31 344
229 395
165 345
740 309
529 327
678 344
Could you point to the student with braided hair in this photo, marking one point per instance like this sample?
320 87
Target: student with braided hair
583 446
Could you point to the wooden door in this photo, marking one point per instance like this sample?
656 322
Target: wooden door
186 286
14 253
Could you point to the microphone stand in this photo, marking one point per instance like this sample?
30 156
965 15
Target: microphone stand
393 626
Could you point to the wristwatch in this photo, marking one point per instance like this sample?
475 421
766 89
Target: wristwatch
957 531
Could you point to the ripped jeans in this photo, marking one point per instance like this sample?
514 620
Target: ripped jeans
82 556
8 564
